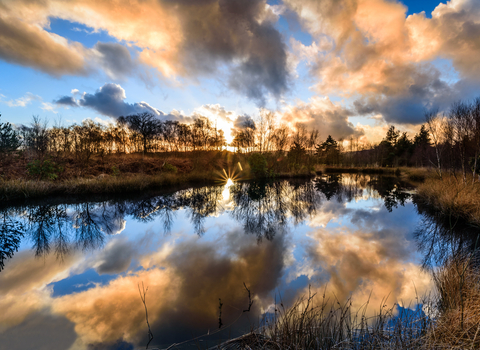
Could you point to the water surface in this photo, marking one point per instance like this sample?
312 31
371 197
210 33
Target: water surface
73 284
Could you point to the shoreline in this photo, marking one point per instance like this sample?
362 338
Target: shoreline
15 191
448 196
25 190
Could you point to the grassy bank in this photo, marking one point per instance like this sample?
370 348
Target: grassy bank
12 190
452 197
415 175
362 170
134 173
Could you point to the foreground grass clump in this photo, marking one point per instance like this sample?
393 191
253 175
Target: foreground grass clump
335 325
457 323
449 318
452 197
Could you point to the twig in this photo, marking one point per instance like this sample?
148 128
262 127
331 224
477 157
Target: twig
143 297
220 324
250 301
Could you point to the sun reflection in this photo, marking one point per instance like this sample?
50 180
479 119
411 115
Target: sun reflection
226 190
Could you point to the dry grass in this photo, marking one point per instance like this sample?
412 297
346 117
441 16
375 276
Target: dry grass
447 319
114 174
457 325
417 175
12 190
127 173
335 325
451 197
364 170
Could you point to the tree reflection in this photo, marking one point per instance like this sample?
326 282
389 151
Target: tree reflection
440 237
343 188
391 190
45 224
263 208
201 203
329 185
11 232
88 234
347 187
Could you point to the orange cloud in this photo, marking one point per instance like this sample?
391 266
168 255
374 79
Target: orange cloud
380 54
355 264
324 115
178 39
27 44
184 285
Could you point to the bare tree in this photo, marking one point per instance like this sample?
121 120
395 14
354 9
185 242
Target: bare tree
281 137
462 123
146 124
435 127
475 113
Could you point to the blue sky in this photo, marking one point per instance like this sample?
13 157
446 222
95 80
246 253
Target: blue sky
347 68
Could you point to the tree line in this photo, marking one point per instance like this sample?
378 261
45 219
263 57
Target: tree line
448 141
145 133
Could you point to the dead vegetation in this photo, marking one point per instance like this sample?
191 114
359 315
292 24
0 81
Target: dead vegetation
449 318
452 197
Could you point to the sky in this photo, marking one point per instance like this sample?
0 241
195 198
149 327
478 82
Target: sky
349 68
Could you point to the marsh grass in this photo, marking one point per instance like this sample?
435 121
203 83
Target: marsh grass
11 190
335 325
118 174
364 170
417 175
457 323
452 197
448 318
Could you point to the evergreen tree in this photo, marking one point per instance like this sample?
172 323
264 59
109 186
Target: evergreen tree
328 151
9 139
421 143
392 136
388 147
403 150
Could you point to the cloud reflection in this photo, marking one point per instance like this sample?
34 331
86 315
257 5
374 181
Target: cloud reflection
367 250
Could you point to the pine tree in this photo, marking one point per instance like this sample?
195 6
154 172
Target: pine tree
328 151
9 139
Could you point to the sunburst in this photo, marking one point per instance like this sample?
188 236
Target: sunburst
231 174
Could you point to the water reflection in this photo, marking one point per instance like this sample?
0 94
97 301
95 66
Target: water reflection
11 232
262 208
192 247
439 238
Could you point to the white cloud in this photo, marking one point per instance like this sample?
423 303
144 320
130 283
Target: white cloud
24 100
46 106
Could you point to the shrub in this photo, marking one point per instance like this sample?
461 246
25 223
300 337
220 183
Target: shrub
9 139
44 170
170 168
115 171
258 165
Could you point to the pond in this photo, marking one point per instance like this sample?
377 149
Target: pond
224 255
